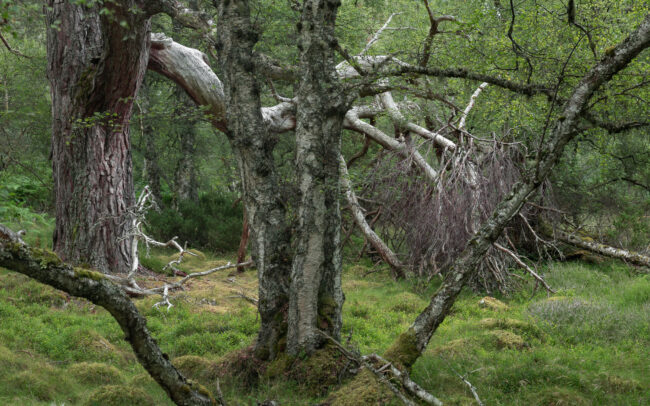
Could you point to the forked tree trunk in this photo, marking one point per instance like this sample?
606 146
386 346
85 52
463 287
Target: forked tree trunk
253 145
95 64
316 298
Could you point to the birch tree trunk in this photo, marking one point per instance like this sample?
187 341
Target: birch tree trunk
316 298
95 65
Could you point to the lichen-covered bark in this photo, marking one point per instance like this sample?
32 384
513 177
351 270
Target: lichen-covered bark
48 268
316 297
253 145
96 63
408 347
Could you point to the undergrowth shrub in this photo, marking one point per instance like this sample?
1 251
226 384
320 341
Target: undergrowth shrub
213 223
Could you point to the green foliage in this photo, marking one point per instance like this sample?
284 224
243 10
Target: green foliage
213 223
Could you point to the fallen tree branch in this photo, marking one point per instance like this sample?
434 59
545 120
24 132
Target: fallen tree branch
46 267
602 249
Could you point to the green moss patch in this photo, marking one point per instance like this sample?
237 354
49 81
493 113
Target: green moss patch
503 339
404 351
491 303
119 395
454 348
363 389
198 368
519 326
95 373
321 371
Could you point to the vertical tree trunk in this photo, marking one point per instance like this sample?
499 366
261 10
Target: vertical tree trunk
253 148
316 297
95 64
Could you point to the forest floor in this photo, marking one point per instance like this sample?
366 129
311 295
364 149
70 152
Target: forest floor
588 344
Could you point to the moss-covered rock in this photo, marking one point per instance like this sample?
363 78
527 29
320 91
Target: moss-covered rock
491 303
363 389
119 395
96 373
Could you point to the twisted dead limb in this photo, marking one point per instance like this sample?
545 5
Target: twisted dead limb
46 267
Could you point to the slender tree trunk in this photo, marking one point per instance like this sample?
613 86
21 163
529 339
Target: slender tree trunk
253 148
409 345
316 297
95 64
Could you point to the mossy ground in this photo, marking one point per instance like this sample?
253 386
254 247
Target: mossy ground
589 344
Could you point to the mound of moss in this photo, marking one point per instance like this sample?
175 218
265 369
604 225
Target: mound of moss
503 339
363 389
491 303
119 395
197 368
95 373
519 326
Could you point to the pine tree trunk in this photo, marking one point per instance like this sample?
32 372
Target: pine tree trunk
95 66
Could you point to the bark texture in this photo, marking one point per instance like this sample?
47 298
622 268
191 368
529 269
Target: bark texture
46 267
316 297
95 65
409 345
253 145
